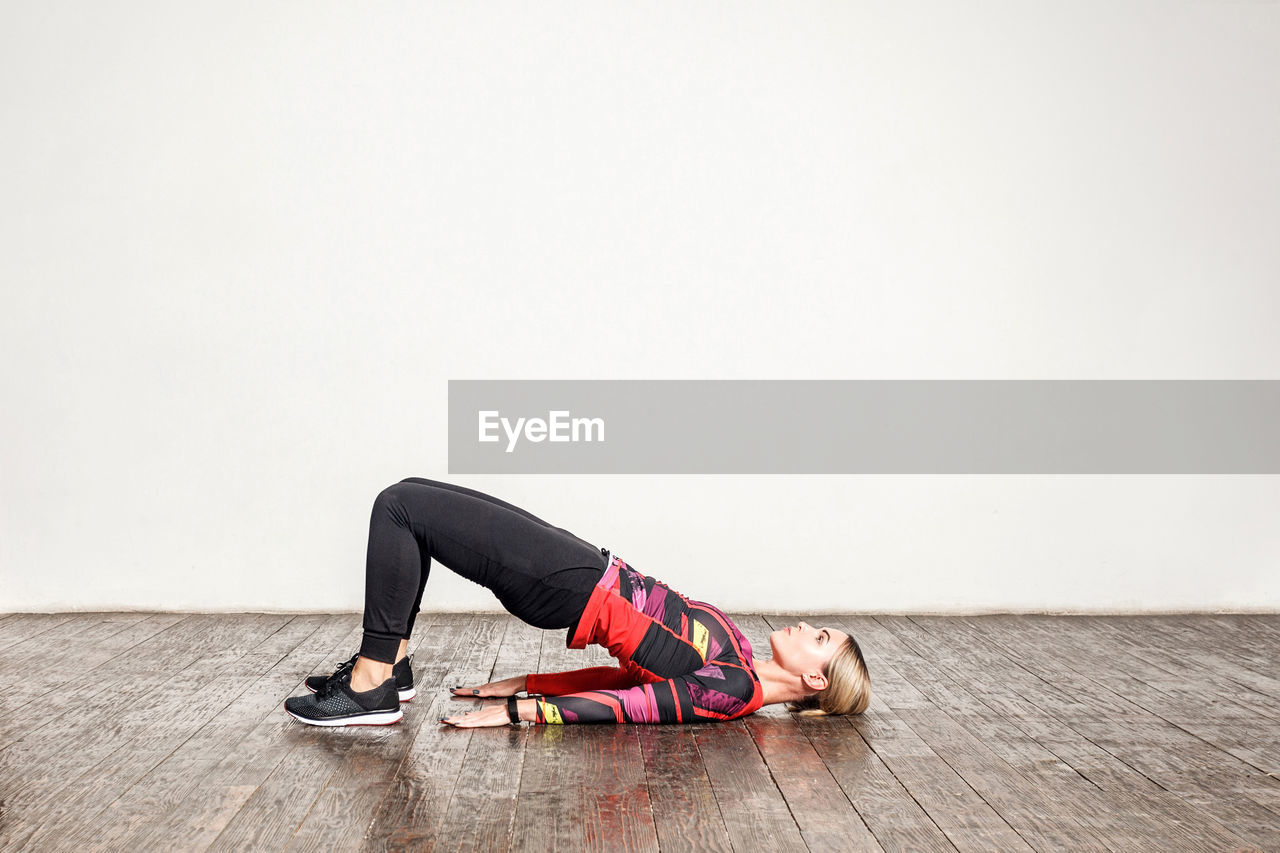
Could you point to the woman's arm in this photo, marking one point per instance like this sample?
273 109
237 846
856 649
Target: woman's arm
591 678
506 687
560 683
716 692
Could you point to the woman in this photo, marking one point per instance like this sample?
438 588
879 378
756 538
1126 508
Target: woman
680 660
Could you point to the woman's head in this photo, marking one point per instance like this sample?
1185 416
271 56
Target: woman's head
830 665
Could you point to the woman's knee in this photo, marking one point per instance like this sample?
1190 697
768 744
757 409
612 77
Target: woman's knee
394 496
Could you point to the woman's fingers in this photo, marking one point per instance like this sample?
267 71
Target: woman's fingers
493 715
478 690
484 691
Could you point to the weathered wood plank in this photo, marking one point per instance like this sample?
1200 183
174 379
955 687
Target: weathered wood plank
1221 715
969 822
480 814
412 812
190 699
894 817
78 801
277 793
1177 759
369 770
297 784
1170 654
72 672
685 813
152 709
245 765
1000 732
199 771
583 787
826 818
21 627
755 811
1100 733
1036 793
1040 747
1245 640
1034 667
61 641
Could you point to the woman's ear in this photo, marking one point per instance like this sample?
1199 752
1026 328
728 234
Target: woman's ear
814 680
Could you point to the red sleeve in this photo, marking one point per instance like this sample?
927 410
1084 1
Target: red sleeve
591 678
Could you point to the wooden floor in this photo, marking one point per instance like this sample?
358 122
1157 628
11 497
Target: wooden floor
124 731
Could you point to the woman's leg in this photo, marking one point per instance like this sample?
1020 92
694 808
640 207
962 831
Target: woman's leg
426 557
541 573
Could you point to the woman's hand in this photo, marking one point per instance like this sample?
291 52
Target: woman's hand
489 715
506 687
492 714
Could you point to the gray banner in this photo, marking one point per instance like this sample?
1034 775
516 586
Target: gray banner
798 426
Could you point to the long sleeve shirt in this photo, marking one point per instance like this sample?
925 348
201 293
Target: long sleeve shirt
680 660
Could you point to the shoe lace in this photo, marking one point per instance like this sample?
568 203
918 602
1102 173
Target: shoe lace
329 688
342 673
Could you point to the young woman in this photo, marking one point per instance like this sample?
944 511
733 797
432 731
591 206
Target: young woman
680 661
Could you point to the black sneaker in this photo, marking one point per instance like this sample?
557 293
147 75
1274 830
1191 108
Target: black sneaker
402 672
336 704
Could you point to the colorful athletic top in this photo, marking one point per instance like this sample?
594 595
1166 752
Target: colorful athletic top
681 661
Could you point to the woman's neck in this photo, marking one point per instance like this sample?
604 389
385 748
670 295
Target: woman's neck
778 684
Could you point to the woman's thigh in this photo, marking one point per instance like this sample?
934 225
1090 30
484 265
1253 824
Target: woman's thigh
525 561
496 501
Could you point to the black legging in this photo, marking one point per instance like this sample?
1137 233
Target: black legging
541 573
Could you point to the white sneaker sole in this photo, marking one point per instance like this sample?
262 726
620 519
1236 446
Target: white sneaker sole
382 719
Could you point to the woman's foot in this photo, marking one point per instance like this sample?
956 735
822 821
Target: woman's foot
402 672
336 704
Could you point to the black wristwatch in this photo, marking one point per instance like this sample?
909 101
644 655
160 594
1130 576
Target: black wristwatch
513 713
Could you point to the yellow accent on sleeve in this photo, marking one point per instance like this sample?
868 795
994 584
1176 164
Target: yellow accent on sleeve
701 636
550 713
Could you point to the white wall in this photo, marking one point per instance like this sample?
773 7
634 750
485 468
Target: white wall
244 246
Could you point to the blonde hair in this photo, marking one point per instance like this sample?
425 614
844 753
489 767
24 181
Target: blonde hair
848 685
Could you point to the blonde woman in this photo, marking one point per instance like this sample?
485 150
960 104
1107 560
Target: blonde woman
680 660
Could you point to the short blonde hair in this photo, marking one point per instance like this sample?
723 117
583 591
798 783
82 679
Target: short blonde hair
848 685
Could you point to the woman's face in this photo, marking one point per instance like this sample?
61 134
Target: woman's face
805 650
